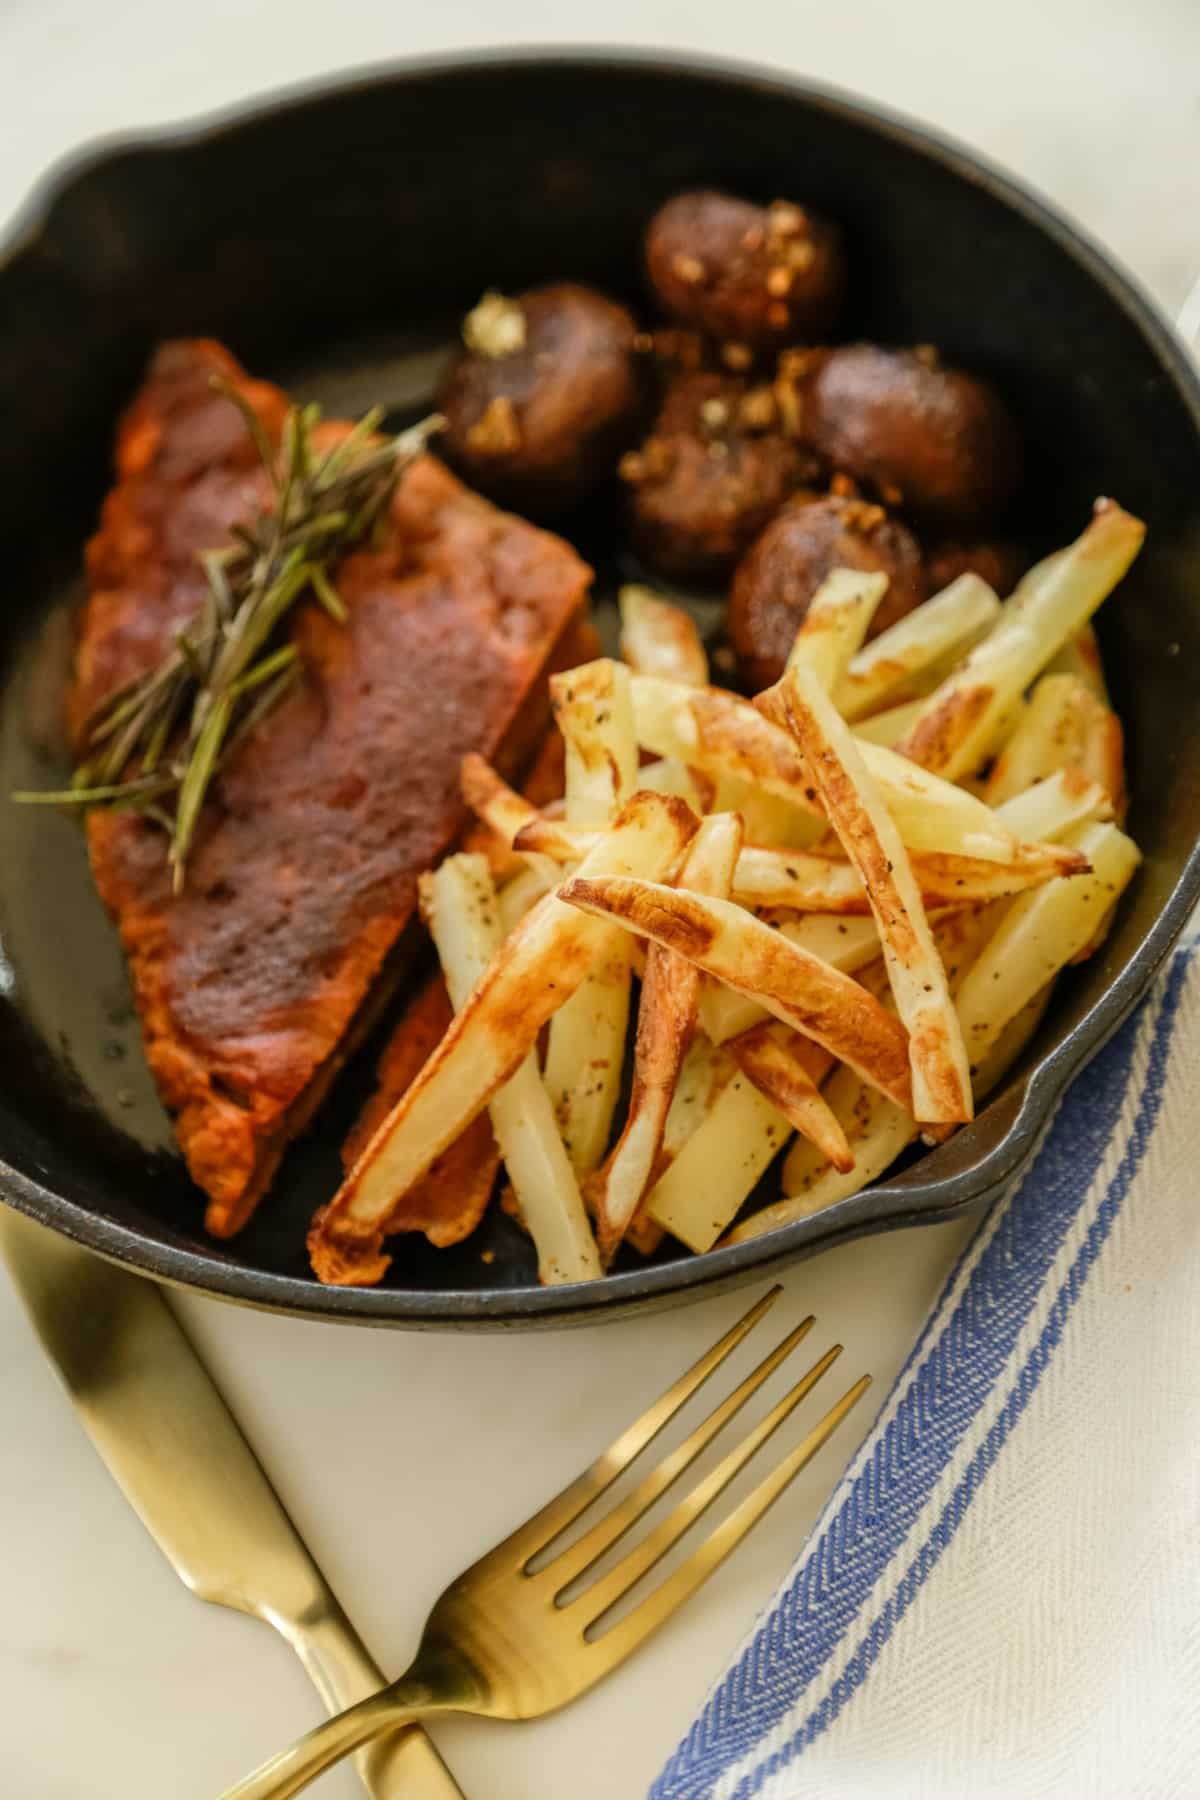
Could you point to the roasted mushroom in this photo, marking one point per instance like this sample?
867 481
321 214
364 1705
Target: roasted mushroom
928 438
780 573
713 472
760 276
544 395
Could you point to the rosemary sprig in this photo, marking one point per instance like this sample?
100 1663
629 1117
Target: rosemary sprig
156 743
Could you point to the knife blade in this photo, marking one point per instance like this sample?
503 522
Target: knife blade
176 1452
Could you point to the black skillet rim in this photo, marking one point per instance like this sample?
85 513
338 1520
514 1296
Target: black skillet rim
1021 1117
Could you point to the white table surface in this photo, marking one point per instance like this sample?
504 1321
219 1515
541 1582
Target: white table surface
403 1456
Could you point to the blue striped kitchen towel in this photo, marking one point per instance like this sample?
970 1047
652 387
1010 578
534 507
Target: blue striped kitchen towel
1003 1595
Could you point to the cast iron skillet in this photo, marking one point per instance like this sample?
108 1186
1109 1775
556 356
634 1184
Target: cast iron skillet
332 239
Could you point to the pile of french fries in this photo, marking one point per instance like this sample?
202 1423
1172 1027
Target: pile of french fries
830 918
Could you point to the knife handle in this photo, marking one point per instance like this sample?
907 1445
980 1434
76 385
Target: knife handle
401 1766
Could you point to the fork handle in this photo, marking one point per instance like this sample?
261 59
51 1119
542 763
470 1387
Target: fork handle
405 1765
413 1697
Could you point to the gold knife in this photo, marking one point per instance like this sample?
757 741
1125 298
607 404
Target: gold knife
175 1450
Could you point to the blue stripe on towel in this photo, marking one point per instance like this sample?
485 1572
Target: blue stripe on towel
1015 1252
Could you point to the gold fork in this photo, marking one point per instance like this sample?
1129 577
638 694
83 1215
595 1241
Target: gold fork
505 1641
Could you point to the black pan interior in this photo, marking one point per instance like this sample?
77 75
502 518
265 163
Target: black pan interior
332 242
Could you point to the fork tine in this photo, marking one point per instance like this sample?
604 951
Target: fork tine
572 1562
624 1638
566 1507
609 1589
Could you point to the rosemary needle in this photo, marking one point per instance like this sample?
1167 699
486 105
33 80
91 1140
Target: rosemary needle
156 743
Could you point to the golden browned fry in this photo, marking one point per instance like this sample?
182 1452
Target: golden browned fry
492 800
890 668
800 881
447 1203
726 941
728 736
1081 656
585 1049
940 1074
515 823
877 1131
836 622
956 729
1103 758
1040 933
458 904
542 786
787 1068
515 826
593 710
540 965
1065 726
794 880
666 1021
720 1165
848 943
1045 812
705 1075
658 638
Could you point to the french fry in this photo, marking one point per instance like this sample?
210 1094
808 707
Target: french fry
537 969
666 1022
593 708
1103 757
957 727
1081 656
1010 1044
740 950
787 1070
877 1130
846 943
521 895
451 1198
767 819
941 1083
836 623
705 1073
932 814
666 776
801 882
887 728
1064 726
1048 809
585 1056
727 736
719 1165
480 840
660 639
493 802
886 670
585 1053
706 1070
1040 933
459 906
543 781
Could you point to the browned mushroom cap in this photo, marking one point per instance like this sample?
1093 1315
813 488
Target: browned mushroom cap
544 395
763 276
778 576
929 438
712 473
1000 563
